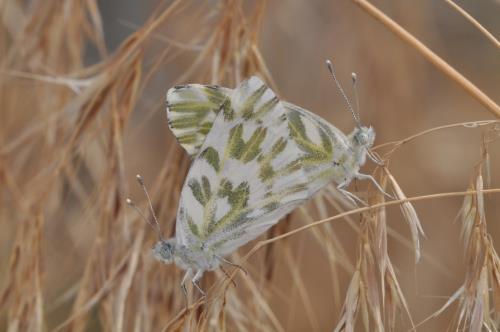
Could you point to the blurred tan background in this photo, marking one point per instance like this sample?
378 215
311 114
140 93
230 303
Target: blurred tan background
400 94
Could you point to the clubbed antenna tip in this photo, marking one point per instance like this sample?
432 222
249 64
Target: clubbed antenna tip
354 78
339 86
156 224
329 65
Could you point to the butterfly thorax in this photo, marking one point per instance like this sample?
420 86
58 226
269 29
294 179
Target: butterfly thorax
348 159
201 258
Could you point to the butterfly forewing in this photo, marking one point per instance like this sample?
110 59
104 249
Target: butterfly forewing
258 162
329 157
192 108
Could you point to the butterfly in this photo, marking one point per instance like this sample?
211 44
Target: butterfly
254 159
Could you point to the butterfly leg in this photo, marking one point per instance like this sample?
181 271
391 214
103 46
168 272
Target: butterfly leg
347 194
374 158
375 183
195 280
228 276
183 285
222 259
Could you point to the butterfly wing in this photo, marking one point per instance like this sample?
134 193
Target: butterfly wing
191 111
312 159
258 162
331 155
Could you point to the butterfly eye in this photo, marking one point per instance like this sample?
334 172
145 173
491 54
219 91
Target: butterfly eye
163 251
361 138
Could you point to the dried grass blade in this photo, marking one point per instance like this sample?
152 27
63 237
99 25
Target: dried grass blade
350 309
456 296
474 22
410 216
126 282
95 298
300 286
442 65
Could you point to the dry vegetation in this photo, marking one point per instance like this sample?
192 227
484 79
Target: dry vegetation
74 256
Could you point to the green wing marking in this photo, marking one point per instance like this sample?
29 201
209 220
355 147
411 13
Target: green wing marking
316 152
212 157
245 151
191 111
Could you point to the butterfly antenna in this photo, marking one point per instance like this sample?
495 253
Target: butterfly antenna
354 78
143 216
157 224
349 106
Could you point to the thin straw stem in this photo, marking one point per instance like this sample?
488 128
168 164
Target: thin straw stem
440 64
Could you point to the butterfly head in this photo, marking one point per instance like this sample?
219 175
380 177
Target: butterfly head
164 250
363 137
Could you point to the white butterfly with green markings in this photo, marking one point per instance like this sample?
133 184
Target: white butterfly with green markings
255 159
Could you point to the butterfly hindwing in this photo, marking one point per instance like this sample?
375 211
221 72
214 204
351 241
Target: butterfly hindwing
191 110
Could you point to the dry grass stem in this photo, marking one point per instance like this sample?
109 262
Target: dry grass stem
373 207
479 296
409 214
440 64
397 144
474 22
